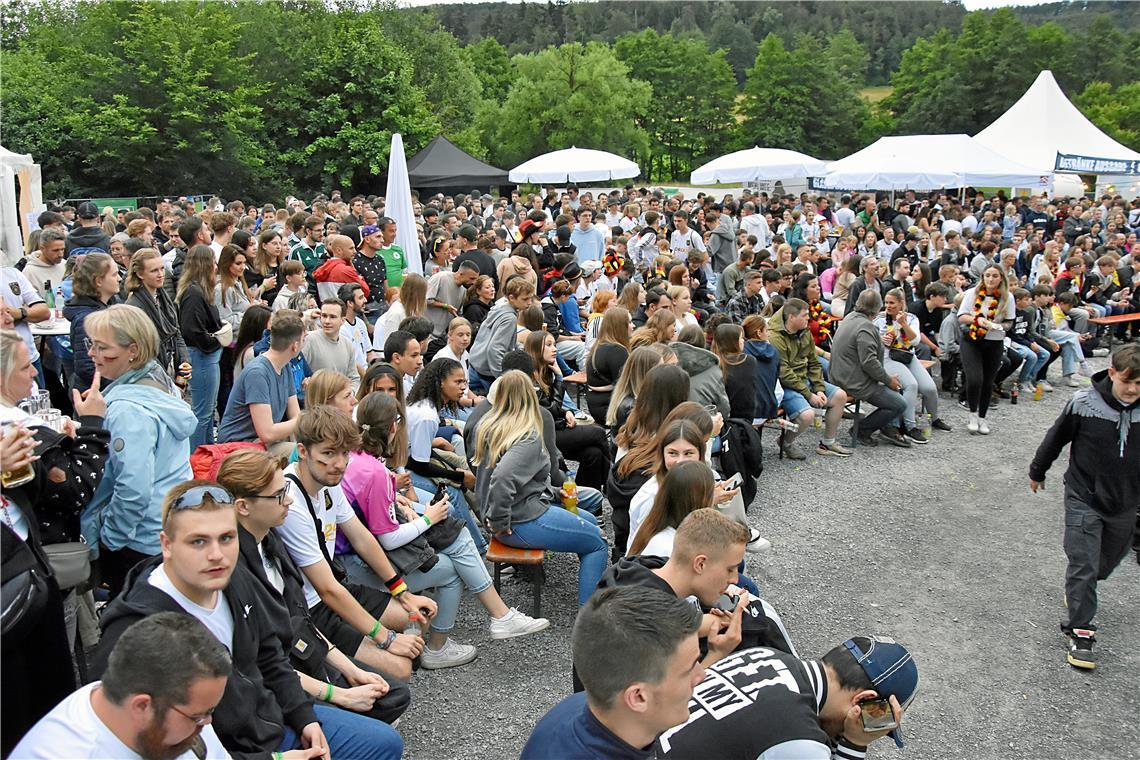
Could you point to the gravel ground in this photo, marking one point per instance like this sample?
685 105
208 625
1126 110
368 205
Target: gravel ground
941 546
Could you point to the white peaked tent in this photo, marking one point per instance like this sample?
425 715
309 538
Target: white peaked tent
928 162
13 209
756 164
1043 123
574 165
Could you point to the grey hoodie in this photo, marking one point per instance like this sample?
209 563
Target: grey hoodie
516 489
39 273
706 381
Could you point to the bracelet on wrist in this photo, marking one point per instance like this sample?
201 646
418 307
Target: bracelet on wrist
396 586
427 520
278 756
375 630
391 637
328 694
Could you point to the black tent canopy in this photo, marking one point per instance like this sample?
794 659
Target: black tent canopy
443 165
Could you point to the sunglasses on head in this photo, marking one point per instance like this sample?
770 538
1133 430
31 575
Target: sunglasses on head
196 496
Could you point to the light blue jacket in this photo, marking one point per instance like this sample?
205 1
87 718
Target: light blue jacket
149 454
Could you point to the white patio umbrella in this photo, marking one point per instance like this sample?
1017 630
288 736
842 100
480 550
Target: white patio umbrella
398 205
574 165
758 163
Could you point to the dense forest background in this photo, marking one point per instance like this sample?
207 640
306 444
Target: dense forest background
256 99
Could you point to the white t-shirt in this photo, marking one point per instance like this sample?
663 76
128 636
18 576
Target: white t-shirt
299 534
19 291
219 620
423 422
639 507
661 545
447 353
357 334
845 217
73 730
272 568
951 224
912 322
681 243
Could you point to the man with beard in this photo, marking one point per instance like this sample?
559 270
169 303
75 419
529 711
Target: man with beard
163 681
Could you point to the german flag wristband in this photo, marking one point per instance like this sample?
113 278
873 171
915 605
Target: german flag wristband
396 586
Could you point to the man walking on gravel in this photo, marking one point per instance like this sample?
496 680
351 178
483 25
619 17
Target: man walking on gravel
1102 488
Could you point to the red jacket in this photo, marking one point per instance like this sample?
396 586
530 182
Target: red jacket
339 270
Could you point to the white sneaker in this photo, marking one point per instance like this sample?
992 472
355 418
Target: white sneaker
972 425
1072 381
452 655
983 428
517 624
1046 387
1085 369
1100 352
756 543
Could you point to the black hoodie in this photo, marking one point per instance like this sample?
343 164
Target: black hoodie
1104 460
262 693
87 237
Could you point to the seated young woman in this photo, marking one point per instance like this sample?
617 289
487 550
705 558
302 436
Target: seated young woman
513 484
401 530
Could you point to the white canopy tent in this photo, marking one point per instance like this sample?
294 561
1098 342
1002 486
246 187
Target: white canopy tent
928 162
1043 123
14 211
756 164
574 165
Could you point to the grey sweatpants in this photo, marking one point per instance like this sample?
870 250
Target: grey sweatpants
1095 544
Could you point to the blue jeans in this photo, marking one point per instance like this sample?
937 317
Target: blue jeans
559 530
351 735
590 499
478 383
794 404
205 379
459 508
1032 361
1071 353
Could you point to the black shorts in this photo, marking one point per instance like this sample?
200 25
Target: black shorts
341 634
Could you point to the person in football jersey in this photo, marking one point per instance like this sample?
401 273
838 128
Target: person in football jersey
762 704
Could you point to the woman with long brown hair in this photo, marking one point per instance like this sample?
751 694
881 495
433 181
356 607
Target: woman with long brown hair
411 303
584 443
606 357
232 298
687 487
985 315
200 325
145 279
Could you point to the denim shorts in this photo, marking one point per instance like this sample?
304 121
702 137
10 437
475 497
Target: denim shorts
794 404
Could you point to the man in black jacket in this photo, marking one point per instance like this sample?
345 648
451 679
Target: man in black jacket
263 709
1102 488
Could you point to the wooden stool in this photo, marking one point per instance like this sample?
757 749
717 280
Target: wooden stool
526 560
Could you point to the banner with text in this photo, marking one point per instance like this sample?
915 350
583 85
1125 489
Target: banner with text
1067 162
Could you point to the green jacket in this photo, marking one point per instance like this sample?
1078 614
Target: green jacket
799 366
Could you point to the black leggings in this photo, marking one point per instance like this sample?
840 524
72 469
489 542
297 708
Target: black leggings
981 360
587 445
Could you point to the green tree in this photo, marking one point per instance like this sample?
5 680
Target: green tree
693 96
569 95
736 41
1115 110
491 64
1106 53
794 98
848 57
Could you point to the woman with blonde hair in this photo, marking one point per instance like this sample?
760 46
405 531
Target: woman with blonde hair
327 387
985 315
150 427
513 484
601 301
411 303
201 327
606 357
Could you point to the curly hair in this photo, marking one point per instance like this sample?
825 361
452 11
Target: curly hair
429 384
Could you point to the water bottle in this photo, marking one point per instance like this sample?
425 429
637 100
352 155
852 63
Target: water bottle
59 302
414 626
1038 392
927 424
570 500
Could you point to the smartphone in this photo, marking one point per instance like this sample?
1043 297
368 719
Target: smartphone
733 482
440 493
877 715
726 603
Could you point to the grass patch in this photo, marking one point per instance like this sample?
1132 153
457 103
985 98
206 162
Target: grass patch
875 94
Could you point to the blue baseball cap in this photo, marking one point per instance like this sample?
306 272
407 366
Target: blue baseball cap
891 670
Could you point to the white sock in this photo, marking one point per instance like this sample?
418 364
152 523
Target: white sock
510 614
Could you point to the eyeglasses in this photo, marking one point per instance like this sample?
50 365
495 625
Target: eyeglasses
92 347
197 720
279 497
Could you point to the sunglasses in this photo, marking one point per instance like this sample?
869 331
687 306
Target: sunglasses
196 496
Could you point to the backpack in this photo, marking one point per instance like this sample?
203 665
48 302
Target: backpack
207 458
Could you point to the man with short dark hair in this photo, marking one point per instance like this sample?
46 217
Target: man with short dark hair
655 298
747 302
732 278
445 295
469 252
310 250
222 225
263 404
164 678
356 327
395 260
900 272
772 281
587 237
636 653
46 264
761 704
88 233
405 354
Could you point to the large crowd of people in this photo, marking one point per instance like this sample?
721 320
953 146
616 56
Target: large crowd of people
254 457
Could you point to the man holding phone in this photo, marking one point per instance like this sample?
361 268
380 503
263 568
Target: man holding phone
763 704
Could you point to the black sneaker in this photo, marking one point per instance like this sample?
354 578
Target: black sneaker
1081 655
869 440
893 437
939 424
964 404
914 435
